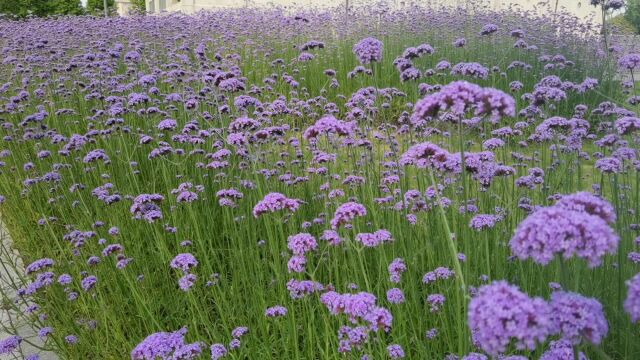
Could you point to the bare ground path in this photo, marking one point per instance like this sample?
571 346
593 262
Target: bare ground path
12 320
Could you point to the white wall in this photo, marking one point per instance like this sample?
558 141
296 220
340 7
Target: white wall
580 8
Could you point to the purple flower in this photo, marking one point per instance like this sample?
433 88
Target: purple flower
484 221
184 262
39 265
374 239
627 124
575 317
330 125
163 345
590 204
275 311
346 212
472 69
89 282
609 165
396 268
475 356
218 351
368 50
302 243
488 29
435 302
273 202
460 97
395 296
632 302
395 351
9 344
187 281
557 230
239 332
629 61
561 350
501 313
299 289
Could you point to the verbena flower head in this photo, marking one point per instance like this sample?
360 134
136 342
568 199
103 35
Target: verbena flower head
330 125
576 317
501 313
632 301
368 50
9 344
39 265
161 345
273 202
561 350
461 97
590 204
346 212
557 230
184 262
629 61
627 124
302 243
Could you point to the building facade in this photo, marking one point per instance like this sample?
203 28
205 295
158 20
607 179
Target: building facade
581 9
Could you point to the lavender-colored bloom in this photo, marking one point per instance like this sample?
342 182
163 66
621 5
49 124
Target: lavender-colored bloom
346 212
368 50
632 302
556 230
184 262
187 281
395 351
302 243
484 221
89 282
395 296
472 69
435 302
218 351
374 239
488 29
460 97
161 345
609 165
576 317
501 313
39 265
629 61
627 124
396 268
273 202
475 356
561 350
330 125
590 204
276 311
9 344
299 289
239 332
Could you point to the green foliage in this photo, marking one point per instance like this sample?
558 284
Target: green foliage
23 8
97 6
68 7
632 14
139 6
622 25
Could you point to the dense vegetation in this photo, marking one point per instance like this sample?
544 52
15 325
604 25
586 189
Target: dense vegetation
420 183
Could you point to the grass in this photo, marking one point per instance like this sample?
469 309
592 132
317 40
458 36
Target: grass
247 276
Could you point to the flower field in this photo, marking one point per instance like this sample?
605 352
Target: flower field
264 184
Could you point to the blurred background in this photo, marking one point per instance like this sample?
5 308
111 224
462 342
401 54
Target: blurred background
626 20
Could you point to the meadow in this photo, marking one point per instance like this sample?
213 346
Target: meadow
420 183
